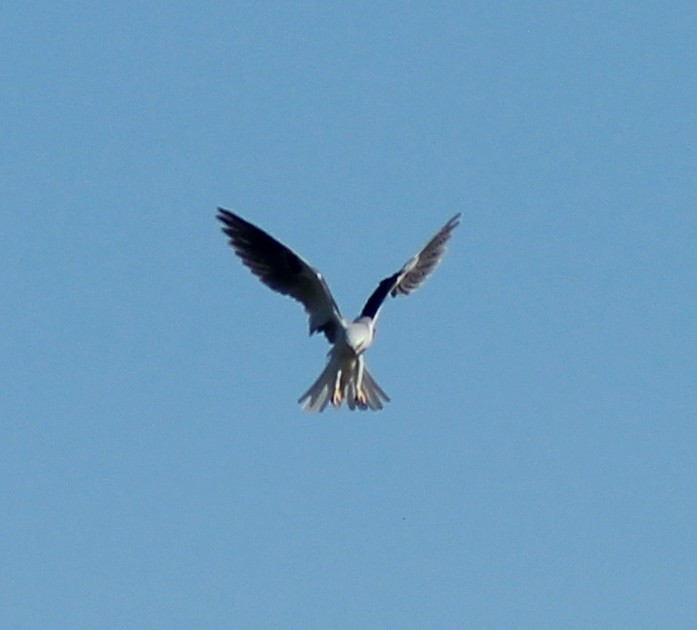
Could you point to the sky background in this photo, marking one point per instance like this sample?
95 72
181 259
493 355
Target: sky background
536 467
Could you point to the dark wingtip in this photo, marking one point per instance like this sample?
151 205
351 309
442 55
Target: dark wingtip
454 221
225 216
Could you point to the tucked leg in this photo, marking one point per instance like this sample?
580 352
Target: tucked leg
361 399
338 395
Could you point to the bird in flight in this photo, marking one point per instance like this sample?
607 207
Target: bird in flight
345 377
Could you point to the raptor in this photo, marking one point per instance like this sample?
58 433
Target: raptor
345 376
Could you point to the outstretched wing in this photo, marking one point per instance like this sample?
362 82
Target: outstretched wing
283 271
415 271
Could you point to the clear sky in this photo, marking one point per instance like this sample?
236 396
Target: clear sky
537 466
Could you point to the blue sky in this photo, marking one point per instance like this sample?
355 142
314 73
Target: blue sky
536 467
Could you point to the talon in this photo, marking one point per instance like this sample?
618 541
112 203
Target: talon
361 398
337 397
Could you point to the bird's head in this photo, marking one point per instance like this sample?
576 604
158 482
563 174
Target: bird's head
359 334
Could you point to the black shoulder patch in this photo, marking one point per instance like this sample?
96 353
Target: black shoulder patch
372 306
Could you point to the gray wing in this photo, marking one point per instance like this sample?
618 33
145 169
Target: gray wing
283 271
413 274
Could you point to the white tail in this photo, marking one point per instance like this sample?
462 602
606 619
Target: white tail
344 378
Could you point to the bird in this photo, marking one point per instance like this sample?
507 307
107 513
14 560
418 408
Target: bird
345 376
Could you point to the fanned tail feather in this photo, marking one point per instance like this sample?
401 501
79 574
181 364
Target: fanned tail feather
374 394
317 397
320 393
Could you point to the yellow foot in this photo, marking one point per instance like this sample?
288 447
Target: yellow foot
360 398
337 397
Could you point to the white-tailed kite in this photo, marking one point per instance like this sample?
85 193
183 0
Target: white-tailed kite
345 376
